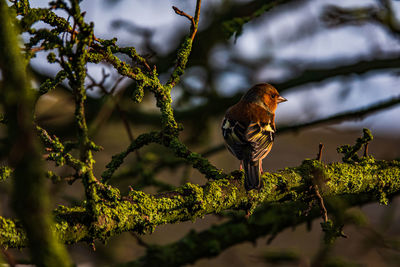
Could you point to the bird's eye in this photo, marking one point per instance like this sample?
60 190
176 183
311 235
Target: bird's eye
273 96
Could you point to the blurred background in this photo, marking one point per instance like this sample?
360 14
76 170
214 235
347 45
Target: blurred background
337 63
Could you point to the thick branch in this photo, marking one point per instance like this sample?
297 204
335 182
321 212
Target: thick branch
141 212
268 220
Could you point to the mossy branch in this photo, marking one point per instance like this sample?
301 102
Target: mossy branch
350 152
267 221
58 153
173 143
142 213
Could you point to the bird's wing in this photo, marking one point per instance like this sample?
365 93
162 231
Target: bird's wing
234 135
261 137
252 141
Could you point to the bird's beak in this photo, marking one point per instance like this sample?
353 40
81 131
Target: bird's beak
281 99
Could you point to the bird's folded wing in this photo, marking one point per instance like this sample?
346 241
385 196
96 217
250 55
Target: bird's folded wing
254 140
261 138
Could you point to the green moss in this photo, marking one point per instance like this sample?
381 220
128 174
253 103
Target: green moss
234 27
142 213
53 177
11 234
138 93
51 84
5 172
51 57
181 60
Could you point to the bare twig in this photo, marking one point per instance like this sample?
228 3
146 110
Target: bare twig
319 155
140 241
316 189
9 257
366 149
121 113
181 13
321 204
194 20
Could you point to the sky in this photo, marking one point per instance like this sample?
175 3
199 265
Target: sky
289 52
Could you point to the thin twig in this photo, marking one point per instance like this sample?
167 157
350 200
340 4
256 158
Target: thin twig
316 189
121 113
366 149
181 13
321 203
319 156
9 257
194 20
140 240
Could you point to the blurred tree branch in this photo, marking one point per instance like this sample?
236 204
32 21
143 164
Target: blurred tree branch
355 114
383 15
30 196
216 104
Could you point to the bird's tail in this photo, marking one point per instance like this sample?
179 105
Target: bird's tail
252 175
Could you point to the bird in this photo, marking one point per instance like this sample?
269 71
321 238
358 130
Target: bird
248 129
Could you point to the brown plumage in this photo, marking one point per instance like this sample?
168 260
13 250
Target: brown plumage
249 129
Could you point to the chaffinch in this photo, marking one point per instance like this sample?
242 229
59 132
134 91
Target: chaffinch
249 129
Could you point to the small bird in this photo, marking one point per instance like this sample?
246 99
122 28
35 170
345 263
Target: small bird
248 129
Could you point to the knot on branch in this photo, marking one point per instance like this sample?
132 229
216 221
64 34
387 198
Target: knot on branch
350 152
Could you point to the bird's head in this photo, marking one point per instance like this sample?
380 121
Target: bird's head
265 95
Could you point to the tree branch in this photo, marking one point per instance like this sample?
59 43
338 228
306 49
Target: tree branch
267 220
142 213
30 197
346 115
312 75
